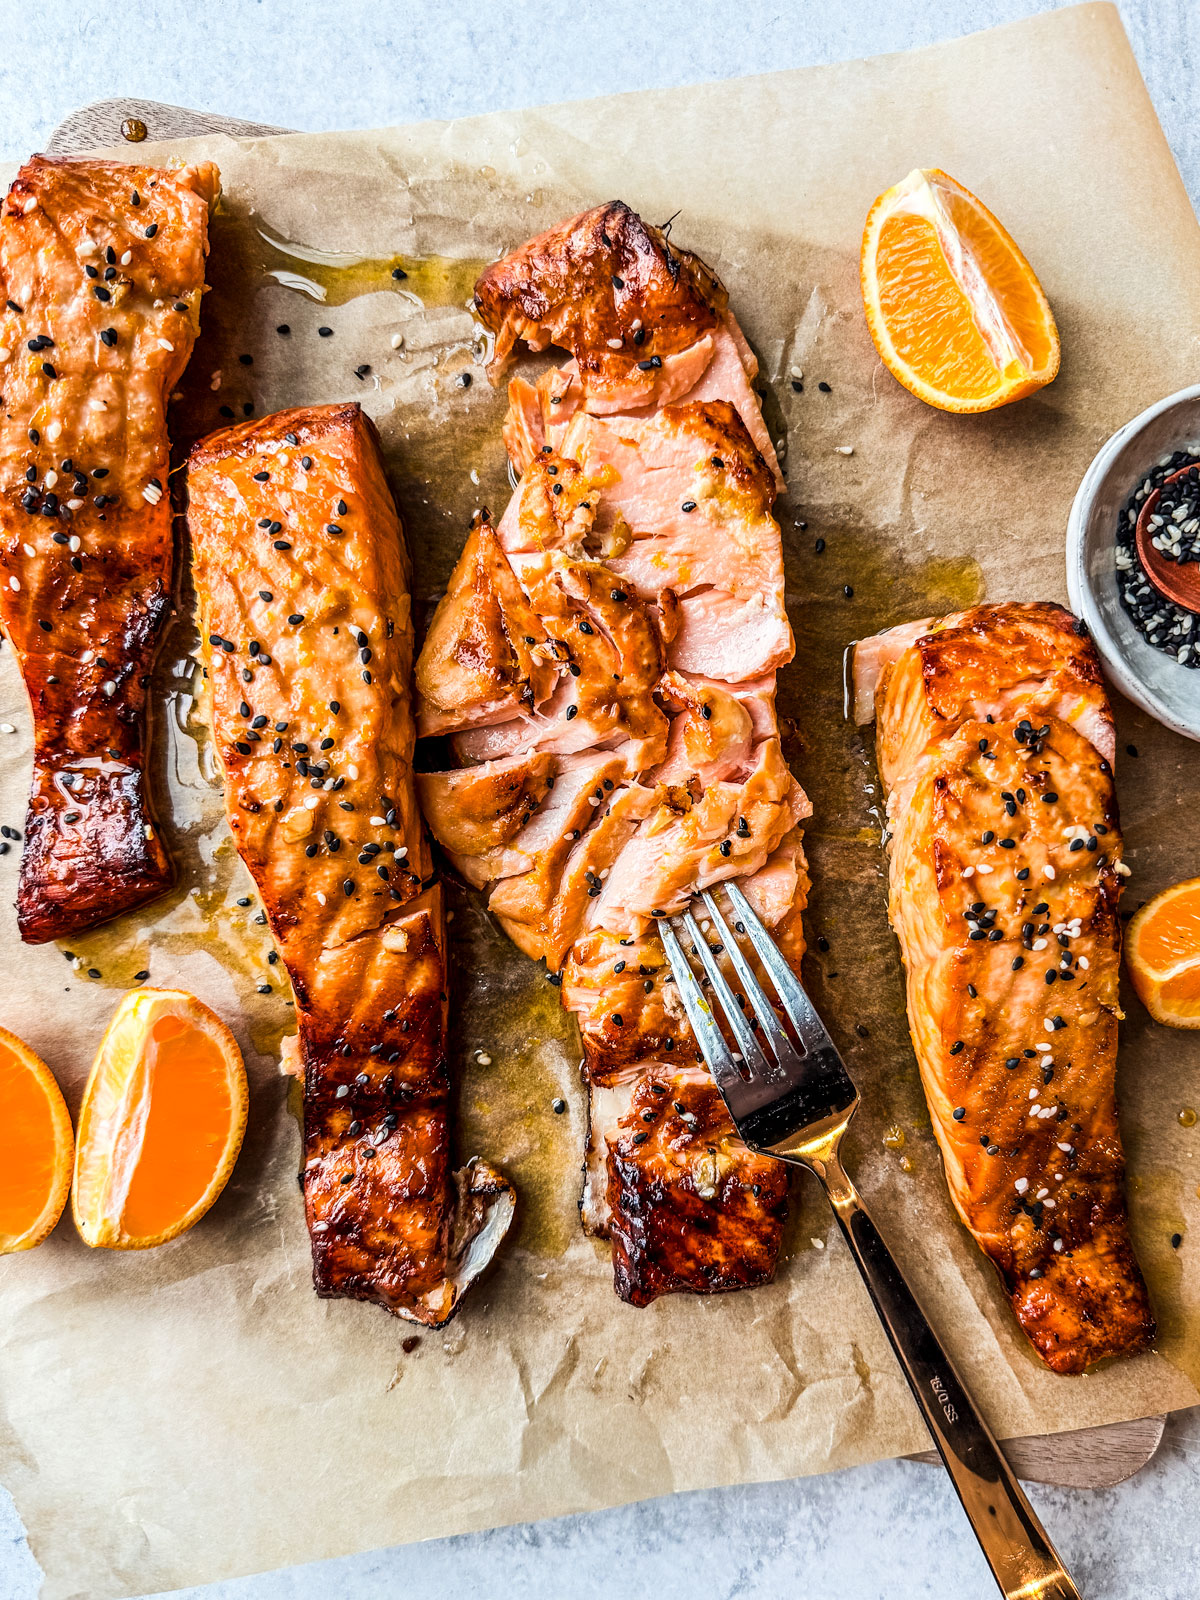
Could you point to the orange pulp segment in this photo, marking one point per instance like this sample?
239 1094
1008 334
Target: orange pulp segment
161 1123
956 312
36 1145
1162 953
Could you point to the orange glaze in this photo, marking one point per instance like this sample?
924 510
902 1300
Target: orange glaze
102 266
303 582
995 743
604 665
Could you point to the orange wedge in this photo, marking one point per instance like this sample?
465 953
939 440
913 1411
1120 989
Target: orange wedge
954 308
161 1123
35 1147
1162 952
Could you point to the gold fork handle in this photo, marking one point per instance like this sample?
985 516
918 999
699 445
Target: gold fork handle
1023 1561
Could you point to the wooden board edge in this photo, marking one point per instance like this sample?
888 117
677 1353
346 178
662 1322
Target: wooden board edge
98 126
1083 1458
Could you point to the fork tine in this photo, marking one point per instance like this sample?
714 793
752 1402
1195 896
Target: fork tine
752 1051
699 1013
764 1010
799 1008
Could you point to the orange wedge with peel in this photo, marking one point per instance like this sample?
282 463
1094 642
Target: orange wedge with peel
956 312
161 1123
36 1145
1162 953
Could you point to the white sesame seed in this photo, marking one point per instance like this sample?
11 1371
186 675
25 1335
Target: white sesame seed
108 686
397 341
1122 870
7 727
402 852
29 550
126 257
51 478
818 1244
321 897
151 494
843 449
352 770
796 372
1020 1185
1048 1024
982 866
968 872
1033 1094
1040 944
616 344
1048 871
1082 963
5 352
72 505
311 802
320 1227
165 344
74 543
1035 1111
379 822
53 431
1057 1245
1050 1204
215 381
483 1058
14 584
1063 1147
148 831
30 205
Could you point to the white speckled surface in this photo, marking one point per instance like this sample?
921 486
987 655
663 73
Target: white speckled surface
887 1532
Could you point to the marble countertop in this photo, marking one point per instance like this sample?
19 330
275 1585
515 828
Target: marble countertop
892 1530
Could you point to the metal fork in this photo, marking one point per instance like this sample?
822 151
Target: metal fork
795 1102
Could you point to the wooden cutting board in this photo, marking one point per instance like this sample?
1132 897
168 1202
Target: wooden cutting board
1087 1458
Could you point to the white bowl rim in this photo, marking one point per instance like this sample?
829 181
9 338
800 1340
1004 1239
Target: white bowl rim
1079 590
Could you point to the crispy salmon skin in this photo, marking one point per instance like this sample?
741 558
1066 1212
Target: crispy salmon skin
603 666
995 743
103 269
303 585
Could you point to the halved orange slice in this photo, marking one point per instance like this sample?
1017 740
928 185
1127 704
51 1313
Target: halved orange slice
35 1147
161 1123
956 312
1162 952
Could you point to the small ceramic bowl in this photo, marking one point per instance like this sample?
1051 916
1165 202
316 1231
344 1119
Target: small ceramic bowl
1168 691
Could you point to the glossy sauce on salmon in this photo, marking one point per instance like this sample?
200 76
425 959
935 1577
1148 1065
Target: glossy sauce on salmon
103 269
603 669
995 742
303 586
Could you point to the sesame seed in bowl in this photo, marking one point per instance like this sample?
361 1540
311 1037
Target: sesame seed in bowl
1129 565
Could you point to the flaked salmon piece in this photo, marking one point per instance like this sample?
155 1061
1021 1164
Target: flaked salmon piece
686 1205
486 656
641 533
479 809
302 580
719 367
103 269
612 291
994 733
686 844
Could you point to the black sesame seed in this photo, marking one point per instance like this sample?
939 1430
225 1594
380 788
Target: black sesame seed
325 333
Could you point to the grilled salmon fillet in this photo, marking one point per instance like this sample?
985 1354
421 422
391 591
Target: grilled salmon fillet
996 744
303 585
603 669
103 269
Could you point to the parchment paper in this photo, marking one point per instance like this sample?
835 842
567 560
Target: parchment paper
194 1411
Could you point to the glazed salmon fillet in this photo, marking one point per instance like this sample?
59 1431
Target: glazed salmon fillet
303 586
996 746
103 269
602 668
